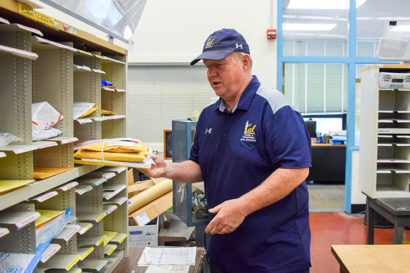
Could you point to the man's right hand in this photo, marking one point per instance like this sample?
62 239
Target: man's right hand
157 170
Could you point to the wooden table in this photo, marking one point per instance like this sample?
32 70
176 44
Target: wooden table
130 264
372 258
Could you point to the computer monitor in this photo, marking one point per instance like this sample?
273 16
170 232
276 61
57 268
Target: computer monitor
311 127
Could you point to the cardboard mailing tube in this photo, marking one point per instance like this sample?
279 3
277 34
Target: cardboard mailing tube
149 194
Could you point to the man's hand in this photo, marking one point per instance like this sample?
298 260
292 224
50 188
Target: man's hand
229 215
158 170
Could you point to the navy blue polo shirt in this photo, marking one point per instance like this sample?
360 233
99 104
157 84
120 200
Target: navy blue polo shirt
236 152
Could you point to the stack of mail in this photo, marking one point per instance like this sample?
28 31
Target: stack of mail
118 152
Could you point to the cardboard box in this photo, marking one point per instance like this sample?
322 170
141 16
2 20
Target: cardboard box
152 210
140 236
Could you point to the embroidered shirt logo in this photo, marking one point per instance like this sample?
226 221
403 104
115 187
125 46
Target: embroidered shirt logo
209 43
208 131
249 132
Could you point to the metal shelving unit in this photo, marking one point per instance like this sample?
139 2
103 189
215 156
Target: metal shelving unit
50 68
385 131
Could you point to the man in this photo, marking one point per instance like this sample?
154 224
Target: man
253 153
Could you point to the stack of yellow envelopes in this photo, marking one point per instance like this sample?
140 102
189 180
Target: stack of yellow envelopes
102 151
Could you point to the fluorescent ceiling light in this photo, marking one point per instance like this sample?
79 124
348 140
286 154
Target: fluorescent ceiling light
322 4
401 28
313 27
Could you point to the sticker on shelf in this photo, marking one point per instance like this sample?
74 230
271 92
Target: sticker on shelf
142 219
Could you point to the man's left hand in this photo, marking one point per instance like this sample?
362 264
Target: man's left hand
229 215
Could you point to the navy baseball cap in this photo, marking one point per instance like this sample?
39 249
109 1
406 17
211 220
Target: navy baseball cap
221 43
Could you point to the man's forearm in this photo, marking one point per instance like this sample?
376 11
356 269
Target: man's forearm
186 171
278 185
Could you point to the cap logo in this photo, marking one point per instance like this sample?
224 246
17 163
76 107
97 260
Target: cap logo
238 46
209 43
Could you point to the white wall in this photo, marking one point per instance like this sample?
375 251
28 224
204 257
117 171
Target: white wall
174 31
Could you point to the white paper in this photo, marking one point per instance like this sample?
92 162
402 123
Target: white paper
79 108
167 269
168 256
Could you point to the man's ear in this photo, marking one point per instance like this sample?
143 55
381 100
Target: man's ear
246 59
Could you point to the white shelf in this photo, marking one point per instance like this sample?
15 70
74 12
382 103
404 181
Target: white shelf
19 149
393 131
81 189
61 261
18 52
94 182
64 140
4 21
95 265
119 238
109 208
385 154
68 186
44 196
41 41
19 195
109 249
84 252
67 233
49 252
112 190
116 201
84 227
90 241
393 160
17 220
4 232
90 217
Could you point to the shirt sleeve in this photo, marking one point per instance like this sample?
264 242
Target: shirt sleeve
287 141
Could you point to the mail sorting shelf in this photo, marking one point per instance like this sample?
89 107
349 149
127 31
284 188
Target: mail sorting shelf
385 153
50 79
183 133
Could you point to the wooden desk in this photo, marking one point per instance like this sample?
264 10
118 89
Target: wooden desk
372 258
130 263
396 210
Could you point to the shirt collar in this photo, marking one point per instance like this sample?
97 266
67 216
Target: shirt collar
246 97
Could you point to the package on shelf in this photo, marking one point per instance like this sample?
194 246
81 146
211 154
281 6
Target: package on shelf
83 109
107 112
126 152
44 117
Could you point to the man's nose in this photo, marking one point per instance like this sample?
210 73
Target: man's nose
212 71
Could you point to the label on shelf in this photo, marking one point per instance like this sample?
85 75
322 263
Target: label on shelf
43 197
50 251
37 16
27 220
68 186
142 219
84 227
99 218
85 254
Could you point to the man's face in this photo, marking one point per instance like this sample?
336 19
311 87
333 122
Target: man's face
226 75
